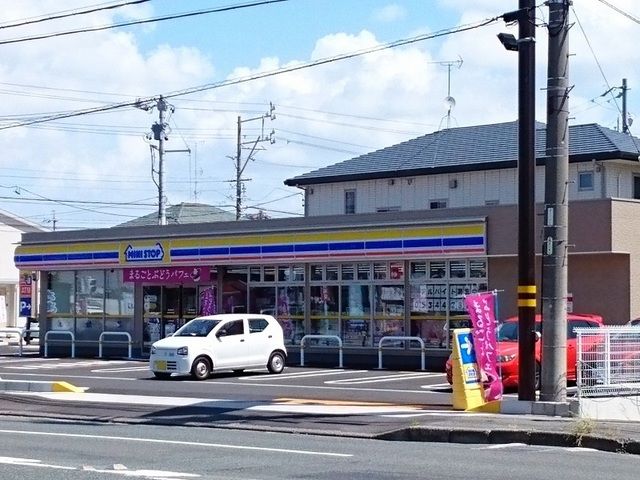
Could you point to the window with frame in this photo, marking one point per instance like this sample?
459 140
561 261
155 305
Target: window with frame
349 202
636 187
585 181
435 204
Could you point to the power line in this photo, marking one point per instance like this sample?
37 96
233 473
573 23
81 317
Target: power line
239 80
72 14
595 57
141 22
620 11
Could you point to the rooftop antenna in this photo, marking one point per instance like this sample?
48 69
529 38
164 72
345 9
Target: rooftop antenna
449 101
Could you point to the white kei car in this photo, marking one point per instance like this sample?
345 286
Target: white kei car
220 342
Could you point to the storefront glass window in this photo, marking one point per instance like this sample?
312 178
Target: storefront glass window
389 311
380 271
477 269
90 293
290 313
88 328
317 273
348 272
262 300
355 312
118 303
429 313
284 274
418 270
364 271
60 293
298 273
332 272
437 269
396 271
151 331
324 309
254 274
269 274
234 291
457 269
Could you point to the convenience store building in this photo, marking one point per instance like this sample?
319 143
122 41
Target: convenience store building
390 243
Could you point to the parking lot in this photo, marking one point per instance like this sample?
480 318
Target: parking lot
133 377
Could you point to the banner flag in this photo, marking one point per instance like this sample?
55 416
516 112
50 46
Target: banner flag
481 309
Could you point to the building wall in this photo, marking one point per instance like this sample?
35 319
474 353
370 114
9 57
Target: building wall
626 222
9 276
466 189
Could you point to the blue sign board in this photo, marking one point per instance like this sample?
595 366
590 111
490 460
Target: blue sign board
25 307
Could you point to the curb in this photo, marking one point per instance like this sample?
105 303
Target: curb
556 439
37 386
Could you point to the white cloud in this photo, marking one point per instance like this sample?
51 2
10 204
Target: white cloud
383 98
390 13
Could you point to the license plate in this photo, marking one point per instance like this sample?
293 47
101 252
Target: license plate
160 365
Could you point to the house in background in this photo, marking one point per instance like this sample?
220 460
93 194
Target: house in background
11 230
184 213
471 171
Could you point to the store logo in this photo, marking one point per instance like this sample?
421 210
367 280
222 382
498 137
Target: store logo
144 254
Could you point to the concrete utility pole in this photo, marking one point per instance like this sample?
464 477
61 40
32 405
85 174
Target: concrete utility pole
238 158
159 130
162 205
526 200
625 124
525 45
556 210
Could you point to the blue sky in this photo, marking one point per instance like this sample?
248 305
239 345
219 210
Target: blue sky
324 114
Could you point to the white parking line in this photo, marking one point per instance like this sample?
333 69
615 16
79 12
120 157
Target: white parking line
316 373
121 369
383 378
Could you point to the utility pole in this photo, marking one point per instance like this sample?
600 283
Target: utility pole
238 158
556 209
526 200
525 45
159 134
625 125
53 220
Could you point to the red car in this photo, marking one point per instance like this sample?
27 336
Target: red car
508 347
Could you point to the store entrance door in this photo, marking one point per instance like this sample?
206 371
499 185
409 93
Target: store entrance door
167 308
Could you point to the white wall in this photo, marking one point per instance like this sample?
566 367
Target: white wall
9 274
611 179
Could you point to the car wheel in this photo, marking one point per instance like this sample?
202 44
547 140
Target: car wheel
276 362
162 375
201 369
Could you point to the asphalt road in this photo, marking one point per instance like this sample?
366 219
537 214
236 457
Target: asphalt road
36 450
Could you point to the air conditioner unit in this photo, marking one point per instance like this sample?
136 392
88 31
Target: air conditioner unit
453 183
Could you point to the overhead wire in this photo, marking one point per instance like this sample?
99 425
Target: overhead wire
280 71
610 89
70 14
140 22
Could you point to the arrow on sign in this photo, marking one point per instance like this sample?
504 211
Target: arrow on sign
467 345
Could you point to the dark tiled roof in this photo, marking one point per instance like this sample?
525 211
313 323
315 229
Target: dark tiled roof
479 147
184 213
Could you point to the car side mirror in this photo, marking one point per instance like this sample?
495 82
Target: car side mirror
538 336
222 332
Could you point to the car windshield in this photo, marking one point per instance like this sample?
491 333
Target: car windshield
508 331
198 327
